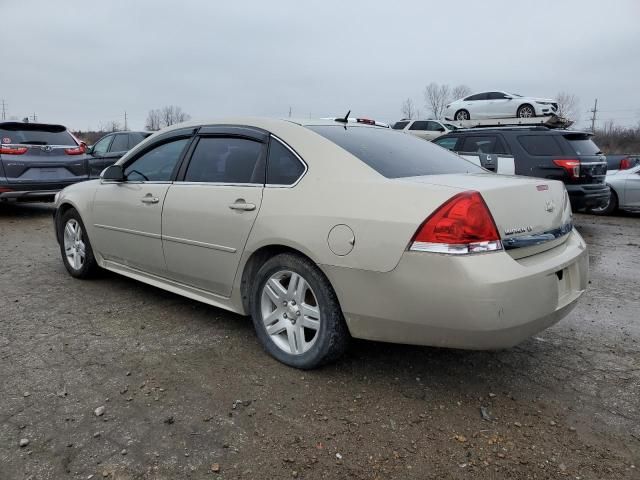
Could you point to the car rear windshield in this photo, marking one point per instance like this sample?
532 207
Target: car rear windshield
400 125
32 134
582 144
395 154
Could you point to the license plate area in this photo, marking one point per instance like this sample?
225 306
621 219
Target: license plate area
567 286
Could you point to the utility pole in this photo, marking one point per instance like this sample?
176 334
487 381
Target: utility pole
125 121
4 112
593 117
289 112
34 117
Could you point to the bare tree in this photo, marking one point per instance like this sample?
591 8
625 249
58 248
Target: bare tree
568 106
408 109
172 114
110 126
436 98
154 120
459 92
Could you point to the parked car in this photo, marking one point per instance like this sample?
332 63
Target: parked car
556 154
499 104
322 230
37 160
110 148
622 162
426 129
625 191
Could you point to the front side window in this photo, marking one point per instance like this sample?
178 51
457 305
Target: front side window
157 164
434 127
484 144
283 167
120 143
226 160
394 154
101 147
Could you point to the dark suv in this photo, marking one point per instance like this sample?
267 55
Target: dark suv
566 155
110 148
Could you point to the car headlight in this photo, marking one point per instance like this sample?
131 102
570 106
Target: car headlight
544 103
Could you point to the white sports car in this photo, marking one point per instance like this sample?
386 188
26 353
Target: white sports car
499 104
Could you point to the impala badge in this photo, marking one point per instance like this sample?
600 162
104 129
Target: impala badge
550 206
512 231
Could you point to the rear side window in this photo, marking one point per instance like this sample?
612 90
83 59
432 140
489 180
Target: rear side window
540 144
101 147
483 144
394 154
35 135
283 167
120 143
477 96
449 143
226 160
419 125
400 125
582 144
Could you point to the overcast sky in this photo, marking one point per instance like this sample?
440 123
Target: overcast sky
84 62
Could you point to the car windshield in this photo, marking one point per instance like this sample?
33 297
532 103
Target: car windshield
35 135
395 154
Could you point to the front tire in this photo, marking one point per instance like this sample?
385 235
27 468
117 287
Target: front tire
526 111
610 208
77 254
296 313
462 115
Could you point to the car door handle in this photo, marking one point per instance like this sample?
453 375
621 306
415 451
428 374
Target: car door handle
149 199
240 204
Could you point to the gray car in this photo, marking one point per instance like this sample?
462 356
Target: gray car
625 191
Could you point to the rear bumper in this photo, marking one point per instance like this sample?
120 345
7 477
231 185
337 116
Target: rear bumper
39 192
486 301
588 196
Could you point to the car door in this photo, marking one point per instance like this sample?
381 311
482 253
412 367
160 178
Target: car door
97 154
498 105
209 212
128 215
477 105
632 190
434 130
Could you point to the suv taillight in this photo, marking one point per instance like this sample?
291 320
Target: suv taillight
11 150
79 150
625 163
461 225
572 167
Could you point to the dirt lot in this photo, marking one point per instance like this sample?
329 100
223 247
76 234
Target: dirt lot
188 393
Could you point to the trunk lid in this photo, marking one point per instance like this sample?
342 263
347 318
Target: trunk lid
528 212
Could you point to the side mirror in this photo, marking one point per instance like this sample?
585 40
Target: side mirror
441 129
113 173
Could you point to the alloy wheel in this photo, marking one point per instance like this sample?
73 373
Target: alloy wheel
290 312
74 247
526 112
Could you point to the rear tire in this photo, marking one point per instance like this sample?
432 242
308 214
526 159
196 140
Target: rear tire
296 313
462 115
526 111
75 248
610 208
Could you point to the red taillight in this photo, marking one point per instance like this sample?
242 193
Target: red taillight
11 150
572 167
625 163
79 150
463 224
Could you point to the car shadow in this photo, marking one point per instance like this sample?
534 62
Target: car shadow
25 210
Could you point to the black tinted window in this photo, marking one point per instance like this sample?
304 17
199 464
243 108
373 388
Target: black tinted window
540 144
157 164
449 143
283 168
419 125
400 125
394 154
477 96
435 127
483 144
496 96
582 144
120 143
35 136
226 160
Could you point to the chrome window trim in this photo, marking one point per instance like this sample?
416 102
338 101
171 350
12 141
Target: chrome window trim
524 241
295 154
196 243
219 184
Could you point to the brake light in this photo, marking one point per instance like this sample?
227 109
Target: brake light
11 150
79 150
461 225
572 167
625 163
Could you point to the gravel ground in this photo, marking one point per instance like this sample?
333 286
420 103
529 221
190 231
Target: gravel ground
184 390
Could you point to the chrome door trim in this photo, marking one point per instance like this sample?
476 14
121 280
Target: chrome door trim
195 243
126 230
